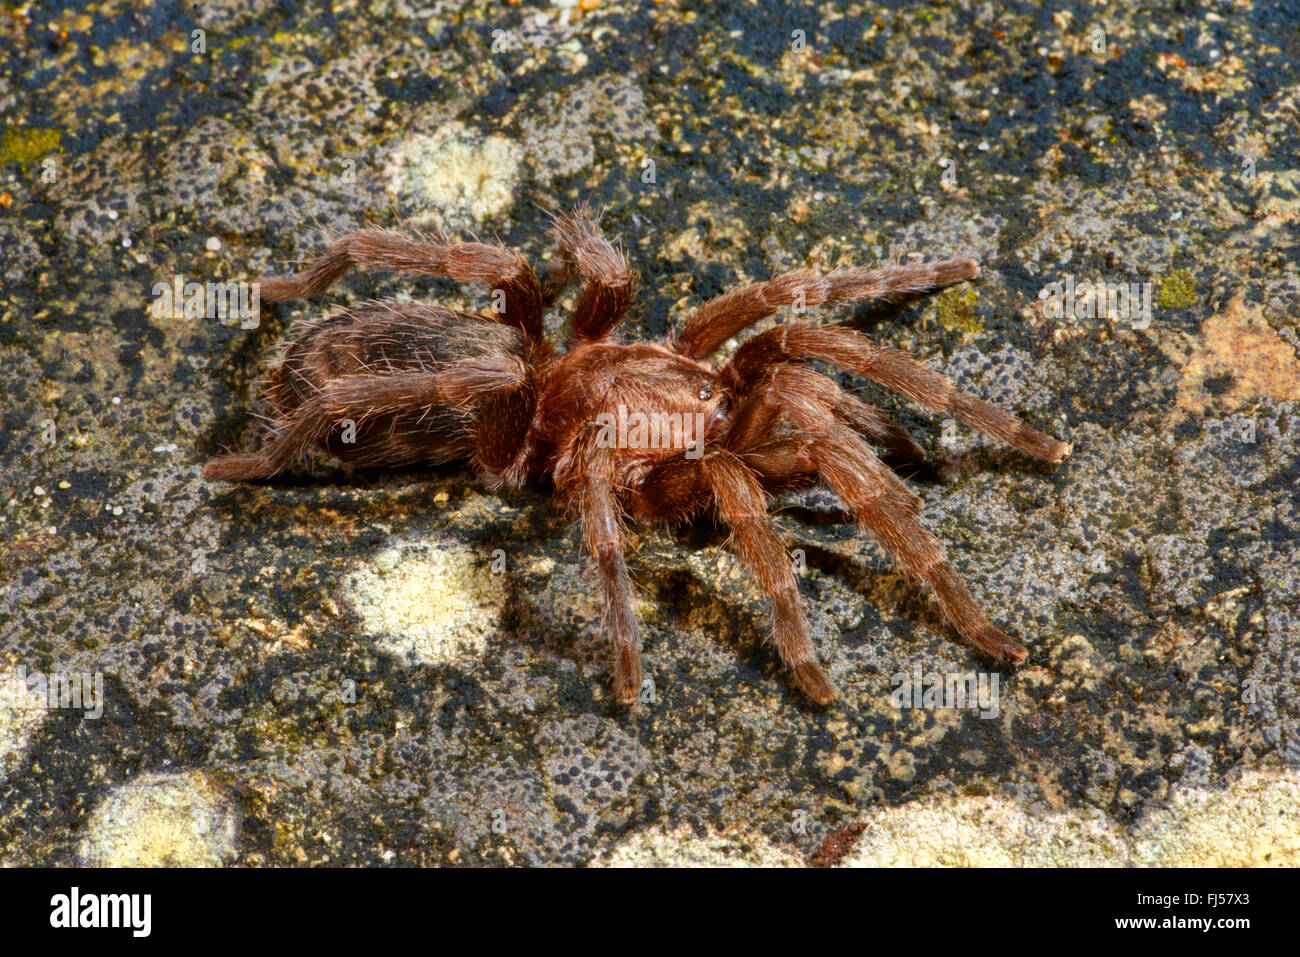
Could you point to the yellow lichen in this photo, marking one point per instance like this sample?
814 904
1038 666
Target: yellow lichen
1177 290
957 310
29 146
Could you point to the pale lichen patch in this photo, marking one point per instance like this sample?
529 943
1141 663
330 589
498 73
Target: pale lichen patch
162 820
983 832
429 604
17 725
682 847
454 178
1250 824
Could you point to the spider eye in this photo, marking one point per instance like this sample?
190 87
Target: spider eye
706 392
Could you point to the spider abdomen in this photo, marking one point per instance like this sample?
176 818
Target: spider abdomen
383 338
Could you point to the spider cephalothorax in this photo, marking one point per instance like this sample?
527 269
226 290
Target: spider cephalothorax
655 431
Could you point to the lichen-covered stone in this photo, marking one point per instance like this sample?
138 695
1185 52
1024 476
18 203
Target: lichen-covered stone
405 669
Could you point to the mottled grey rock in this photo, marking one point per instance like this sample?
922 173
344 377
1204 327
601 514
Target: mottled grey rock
244 635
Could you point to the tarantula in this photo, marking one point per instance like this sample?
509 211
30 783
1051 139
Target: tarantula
653 430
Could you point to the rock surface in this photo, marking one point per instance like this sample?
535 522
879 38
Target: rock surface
275 690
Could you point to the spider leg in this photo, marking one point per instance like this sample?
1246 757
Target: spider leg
503 268
781 462
607 291
602 531
885 508
677 488
893 369
362 398
721 318
743 506
761 407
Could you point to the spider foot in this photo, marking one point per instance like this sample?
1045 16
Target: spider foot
627 675
999 646
812 679
238 468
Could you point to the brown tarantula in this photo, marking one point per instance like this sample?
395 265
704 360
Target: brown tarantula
415 383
